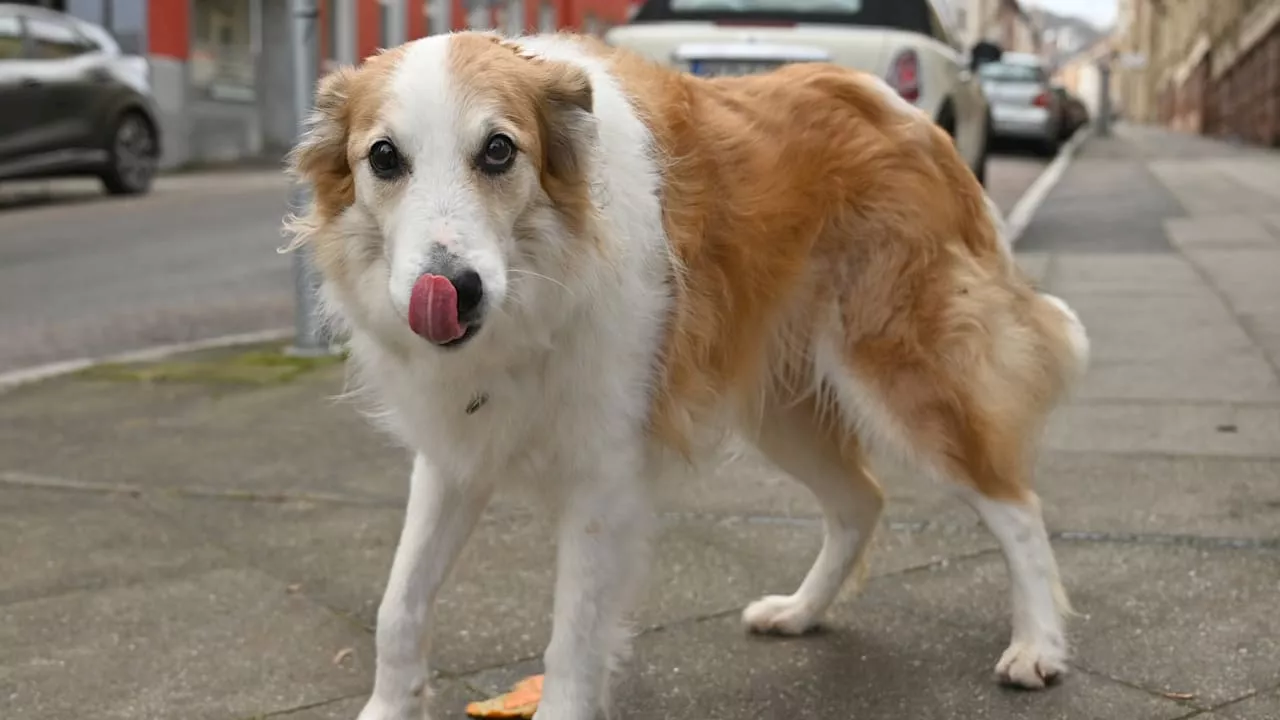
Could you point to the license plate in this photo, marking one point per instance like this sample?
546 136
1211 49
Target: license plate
1004 113
712 68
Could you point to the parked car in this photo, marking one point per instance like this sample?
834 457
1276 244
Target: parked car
1074 112
71 103
906 42
1023 104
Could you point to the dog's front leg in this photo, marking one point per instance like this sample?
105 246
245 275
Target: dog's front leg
441 514
604 537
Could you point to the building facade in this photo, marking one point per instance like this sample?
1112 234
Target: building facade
1003 22
1210 68
222 70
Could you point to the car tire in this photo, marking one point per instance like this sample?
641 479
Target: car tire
1049 146
132 160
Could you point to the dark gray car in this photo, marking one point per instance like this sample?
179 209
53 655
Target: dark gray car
71 103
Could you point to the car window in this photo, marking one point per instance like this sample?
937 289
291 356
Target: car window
998 71
53 40
10 37
909 15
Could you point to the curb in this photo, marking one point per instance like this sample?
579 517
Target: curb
1015 224
1033 197
25 376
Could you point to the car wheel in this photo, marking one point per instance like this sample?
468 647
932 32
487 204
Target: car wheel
133 156
1050 145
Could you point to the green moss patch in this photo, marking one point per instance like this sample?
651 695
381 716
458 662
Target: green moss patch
258 366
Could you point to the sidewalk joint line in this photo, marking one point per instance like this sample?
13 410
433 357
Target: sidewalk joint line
308 706
1191 704
1184 540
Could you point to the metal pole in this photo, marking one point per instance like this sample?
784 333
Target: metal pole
1104 98
309 335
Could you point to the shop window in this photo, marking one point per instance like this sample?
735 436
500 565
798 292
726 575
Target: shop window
222 63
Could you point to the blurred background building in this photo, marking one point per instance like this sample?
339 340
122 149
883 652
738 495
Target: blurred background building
1203 67
222 70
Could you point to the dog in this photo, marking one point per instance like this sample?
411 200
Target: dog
562 267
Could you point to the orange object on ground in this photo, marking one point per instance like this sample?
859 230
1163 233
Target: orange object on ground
520 702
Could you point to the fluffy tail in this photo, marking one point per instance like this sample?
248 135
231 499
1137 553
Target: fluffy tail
1072 334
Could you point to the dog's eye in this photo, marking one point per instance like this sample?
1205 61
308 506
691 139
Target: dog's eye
498 156
385 160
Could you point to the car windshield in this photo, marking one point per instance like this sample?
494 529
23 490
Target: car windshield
1010 72
794 6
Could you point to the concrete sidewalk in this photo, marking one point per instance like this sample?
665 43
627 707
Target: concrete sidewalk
208 538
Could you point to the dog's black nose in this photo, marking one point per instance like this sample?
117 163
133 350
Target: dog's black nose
470 291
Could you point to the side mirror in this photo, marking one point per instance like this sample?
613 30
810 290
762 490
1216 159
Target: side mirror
984 52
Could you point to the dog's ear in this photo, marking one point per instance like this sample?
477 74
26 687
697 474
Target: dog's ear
568 125
320 156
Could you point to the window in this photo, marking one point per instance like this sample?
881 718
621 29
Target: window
222 57
54 40
10 37
1011 72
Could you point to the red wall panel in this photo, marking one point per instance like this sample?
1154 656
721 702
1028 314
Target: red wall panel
368 28
416 21
169 28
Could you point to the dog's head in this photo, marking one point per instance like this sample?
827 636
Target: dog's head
450 185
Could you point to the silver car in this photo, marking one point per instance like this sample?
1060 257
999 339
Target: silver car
1023 103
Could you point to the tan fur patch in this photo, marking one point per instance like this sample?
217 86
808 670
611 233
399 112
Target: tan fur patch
803 197
538 100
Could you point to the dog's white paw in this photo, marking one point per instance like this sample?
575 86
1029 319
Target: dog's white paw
379 709
1031 665
778 615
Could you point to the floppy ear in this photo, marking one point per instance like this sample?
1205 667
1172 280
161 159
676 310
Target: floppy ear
320 157
566 121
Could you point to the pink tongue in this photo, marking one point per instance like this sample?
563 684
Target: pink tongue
433 310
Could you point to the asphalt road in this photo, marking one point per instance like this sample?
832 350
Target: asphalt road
82 275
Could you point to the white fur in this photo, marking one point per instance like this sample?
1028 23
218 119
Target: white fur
566 362
1038 650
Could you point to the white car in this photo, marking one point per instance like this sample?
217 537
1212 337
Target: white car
906 42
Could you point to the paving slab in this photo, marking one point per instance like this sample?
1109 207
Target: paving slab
1249 279
218 645
1263 706
1221 231
1140 275
497 605
1166 618
1176 429
1160 496
876 658
56 542
1160 331
1123 201
192 437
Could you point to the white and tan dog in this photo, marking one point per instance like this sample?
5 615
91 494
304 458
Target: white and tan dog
565 268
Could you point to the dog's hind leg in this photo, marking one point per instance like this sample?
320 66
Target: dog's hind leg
966 405
830 464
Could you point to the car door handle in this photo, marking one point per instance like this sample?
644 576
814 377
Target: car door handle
30 83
